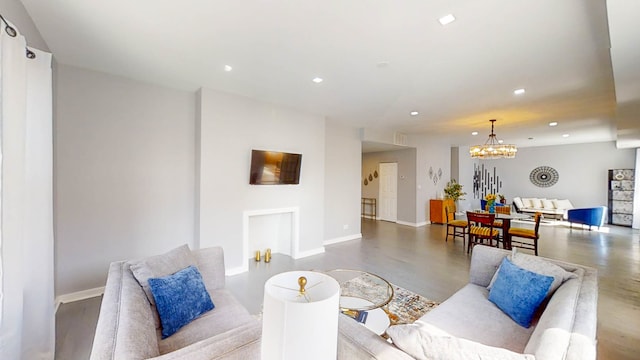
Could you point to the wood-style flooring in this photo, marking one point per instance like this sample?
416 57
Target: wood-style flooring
420 260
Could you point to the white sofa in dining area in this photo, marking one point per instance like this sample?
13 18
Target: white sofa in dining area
555 208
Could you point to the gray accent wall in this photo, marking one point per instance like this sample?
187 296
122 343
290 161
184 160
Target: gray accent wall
140 169
123 173
582 170
406 160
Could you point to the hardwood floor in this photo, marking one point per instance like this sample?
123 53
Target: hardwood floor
420 260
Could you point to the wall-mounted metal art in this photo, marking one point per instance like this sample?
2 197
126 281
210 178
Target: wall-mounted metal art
485 181
544 176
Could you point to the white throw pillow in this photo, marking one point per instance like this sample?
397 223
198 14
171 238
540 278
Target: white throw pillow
422 345
518 202
548 204
564 204
536 203
527 203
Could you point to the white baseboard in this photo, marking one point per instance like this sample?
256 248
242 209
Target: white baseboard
342 239
77 296
304 254
411 224
235 271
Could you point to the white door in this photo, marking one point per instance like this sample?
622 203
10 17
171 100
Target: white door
388 192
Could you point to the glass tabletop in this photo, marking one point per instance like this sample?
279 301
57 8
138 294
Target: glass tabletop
374 290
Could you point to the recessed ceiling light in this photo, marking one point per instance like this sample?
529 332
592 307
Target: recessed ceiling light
447 19
227 68
553 123
414 113
382 64
518 91
474 133
500 141
317 80
565 135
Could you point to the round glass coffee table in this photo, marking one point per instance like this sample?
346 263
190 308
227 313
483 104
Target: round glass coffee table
363 294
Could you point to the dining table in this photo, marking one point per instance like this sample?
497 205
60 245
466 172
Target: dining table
506 224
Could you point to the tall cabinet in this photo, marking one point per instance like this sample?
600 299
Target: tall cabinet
621 183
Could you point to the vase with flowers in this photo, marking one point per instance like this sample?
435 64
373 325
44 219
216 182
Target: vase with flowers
503 200
491 202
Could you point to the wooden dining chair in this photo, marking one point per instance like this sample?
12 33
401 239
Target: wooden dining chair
527 238
480 229
459 227
498 223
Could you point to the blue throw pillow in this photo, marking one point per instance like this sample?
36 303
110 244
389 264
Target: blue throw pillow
519 292
180 298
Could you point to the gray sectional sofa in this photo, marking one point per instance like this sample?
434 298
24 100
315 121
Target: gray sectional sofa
128 329
465 326
565 327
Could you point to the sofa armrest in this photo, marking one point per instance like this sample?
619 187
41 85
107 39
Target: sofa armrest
211 266
355 342
125 326
241 343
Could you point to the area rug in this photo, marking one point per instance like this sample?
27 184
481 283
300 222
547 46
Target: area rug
407 306
404 308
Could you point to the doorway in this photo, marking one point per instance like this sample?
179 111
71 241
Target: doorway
388 192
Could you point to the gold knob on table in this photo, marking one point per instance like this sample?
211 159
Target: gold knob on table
267 255
257 255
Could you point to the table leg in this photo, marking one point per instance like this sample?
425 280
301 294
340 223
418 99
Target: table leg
506 238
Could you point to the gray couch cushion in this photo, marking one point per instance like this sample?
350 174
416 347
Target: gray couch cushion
470 315
227 314
541 266
161 265
239 343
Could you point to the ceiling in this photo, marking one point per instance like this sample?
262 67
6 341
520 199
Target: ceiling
379 60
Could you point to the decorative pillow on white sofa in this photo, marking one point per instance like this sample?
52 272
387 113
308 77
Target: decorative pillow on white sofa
549 204
564 204
536 203
418 342
527 202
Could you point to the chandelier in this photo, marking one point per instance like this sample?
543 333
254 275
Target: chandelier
492 149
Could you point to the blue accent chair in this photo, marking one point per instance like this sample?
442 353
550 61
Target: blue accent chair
594 216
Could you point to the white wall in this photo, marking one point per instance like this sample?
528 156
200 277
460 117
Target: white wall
582 170
437 155
229 128
343 161
124 173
